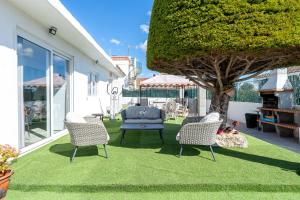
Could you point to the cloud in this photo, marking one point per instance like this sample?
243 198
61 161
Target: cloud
149 13
144 28
142 46
115 41
28 52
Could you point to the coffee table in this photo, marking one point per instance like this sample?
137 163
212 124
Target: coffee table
100 115
125 127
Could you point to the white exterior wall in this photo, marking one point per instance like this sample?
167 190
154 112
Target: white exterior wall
14 22
123 64
237 110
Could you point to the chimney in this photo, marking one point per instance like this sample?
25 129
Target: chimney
277 82
278 91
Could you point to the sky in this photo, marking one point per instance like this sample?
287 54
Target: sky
118 26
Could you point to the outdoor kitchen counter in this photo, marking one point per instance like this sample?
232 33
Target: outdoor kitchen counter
280 110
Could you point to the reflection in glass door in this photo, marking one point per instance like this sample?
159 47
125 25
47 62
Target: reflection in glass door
34 62
60 91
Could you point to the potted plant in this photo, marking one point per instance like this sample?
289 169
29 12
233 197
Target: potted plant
7 154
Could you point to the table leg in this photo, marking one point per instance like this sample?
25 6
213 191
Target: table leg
161 135
122 136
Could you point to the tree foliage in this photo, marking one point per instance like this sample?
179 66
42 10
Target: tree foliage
247 93
217 43
183 29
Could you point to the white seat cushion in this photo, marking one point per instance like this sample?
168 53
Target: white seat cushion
74 118
211 117
178 136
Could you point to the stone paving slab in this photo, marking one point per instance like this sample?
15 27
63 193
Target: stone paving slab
271 137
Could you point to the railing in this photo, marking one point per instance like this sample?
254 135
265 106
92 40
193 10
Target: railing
160 93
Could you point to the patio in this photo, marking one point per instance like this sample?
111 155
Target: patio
144 168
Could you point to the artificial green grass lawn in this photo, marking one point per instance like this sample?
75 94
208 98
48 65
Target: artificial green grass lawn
143 168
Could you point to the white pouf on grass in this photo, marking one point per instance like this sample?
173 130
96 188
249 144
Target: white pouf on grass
232 140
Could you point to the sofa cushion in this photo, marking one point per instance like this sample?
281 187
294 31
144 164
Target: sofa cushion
74 118
135 112
152 113
143 121
211 117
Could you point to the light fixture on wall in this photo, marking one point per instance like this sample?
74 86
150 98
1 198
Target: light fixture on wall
97 61
52 30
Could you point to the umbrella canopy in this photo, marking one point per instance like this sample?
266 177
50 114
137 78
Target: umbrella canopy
166 80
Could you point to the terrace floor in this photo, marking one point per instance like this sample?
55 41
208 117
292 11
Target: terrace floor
143 168
289 143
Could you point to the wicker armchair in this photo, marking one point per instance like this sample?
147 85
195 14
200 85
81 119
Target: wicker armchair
93 132
188 120
194 132
171 109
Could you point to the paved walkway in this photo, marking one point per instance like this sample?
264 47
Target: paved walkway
288 143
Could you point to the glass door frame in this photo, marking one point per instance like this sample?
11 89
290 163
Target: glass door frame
49 73
70 83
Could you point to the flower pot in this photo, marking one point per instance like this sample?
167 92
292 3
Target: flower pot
4 181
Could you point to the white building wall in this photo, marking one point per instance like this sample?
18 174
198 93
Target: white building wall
123 64
237 110
14 22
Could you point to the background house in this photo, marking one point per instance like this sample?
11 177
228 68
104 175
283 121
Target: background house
131 68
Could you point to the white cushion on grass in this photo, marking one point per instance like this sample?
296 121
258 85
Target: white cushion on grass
74 118
211 117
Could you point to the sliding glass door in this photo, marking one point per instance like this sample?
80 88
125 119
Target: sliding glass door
44 92
34 62
60 91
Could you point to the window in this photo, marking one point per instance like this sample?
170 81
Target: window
92 85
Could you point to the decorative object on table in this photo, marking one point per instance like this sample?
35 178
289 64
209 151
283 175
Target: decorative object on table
86 131
7 154
199 131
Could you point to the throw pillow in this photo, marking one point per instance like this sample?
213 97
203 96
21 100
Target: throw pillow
74 118
211 117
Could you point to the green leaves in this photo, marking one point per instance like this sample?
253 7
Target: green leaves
255 1
188 28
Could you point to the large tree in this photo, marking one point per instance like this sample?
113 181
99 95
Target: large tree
216 43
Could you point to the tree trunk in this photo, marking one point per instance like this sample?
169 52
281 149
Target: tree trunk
220 103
